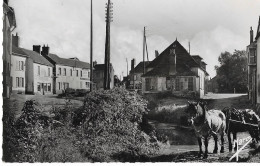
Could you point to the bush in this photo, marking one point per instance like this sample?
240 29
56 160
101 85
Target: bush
109 124
111 121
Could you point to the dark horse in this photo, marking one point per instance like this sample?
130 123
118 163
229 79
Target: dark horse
207 123
240 121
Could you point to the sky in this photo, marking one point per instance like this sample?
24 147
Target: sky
211 27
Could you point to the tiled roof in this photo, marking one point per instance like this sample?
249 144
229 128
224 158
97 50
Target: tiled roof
184 62
69 62
36 57
10 14
18 51
139 67
181 52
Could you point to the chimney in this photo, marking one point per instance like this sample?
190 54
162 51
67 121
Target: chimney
156 53
37 48
15 40
251 35
94 63
172 62
132 64
45 50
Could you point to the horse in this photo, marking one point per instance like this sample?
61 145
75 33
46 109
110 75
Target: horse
241 120
207 123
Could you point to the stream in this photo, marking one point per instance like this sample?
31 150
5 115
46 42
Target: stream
183 139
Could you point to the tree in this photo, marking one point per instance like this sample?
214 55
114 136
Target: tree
232 72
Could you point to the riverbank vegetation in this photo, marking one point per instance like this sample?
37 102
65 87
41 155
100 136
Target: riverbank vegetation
108 127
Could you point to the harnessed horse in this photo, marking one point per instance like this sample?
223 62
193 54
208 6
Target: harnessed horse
240 121
206 124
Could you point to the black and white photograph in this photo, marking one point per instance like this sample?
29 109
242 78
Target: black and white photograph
130 81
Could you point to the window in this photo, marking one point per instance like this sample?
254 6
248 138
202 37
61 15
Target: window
88 74
81 73
77 73
70 72
190 84
59 71
49 87
65 85
19 82
59 85
252 56
49 72
20 65
134 77
181 85
38 86
39 71
64 71
87 84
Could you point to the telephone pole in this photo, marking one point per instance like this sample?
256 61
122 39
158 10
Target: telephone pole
91 48
107 46
144 52
126 67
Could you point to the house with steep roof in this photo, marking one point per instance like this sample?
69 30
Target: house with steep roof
9 24
177 71
68 72
98 75
136 73
253 52
31 72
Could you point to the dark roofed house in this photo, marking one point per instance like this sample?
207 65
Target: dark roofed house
175 70
98 75
68 72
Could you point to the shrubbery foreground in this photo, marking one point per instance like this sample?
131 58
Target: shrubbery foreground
108 127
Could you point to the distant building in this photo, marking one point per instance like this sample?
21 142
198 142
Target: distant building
31 72
9 24
253 52
213 85
135 74
177 71
67 73
98 75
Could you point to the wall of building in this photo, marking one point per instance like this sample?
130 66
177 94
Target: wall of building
258 70
201 83
73 81
98 78
18 69
42 77
7 49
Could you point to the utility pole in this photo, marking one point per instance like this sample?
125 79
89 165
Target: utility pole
91 48
107 46
144 52
126 67
189 47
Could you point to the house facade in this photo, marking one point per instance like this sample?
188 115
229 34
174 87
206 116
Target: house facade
9 24
135 74
253 52
18 70
67 73
38 75
177 71
98 75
